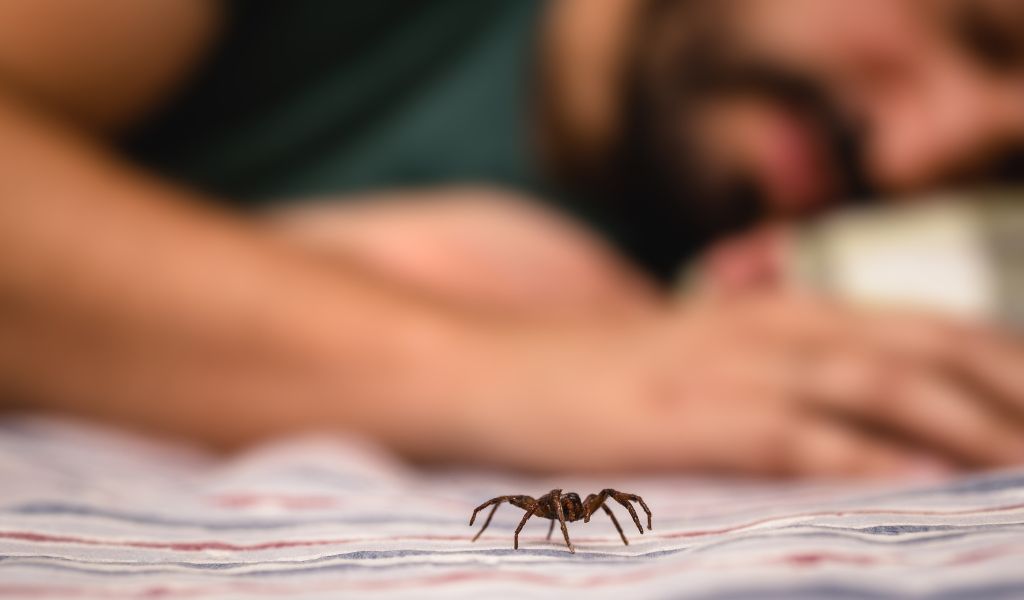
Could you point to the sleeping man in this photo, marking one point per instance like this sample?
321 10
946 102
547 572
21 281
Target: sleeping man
447 225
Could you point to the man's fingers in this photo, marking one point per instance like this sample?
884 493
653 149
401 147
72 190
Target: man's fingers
929 382
808 323
995 365
990 361
925 405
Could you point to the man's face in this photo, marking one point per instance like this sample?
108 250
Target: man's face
770 108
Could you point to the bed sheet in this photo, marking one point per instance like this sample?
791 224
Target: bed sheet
89 512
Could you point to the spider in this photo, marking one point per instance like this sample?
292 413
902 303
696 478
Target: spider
565 508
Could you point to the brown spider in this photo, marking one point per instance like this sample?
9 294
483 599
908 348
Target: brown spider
565 508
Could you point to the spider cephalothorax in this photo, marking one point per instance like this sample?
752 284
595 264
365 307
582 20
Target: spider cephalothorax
565 508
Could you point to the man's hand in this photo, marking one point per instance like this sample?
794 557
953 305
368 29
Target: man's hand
768 385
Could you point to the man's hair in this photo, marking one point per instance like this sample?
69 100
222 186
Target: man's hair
638 182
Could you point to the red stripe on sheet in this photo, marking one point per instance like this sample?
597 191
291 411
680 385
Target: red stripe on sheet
288 502
813 559
29 536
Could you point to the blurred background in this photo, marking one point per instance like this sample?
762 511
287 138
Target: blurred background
230 220
674 129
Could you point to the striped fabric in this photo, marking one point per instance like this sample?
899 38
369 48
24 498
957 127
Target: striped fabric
87 513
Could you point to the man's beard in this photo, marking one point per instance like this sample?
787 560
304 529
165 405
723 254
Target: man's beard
658 175
654 181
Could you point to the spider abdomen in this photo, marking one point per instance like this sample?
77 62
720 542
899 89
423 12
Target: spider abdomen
572 507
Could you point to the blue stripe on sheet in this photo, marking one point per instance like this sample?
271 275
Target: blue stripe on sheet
220 524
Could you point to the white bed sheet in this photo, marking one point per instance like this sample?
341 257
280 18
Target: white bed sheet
88 512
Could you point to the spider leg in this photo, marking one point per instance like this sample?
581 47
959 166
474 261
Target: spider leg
643 505
632 512
615 522
557 500
551 529
595 500
497 500
526 518
487 522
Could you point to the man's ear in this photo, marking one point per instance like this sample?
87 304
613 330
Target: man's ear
103 64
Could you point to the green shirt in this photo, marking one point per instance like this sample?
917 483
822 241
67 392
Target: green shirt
308 97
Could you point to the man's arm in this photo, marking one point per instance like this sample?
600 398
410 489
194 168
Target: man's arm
125 298
486 249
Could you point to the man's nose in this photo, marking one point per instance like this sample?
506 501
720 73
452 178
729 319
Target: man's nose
949 125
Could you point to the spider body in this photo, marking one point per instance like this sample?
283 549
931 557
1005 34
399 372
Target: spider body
565 508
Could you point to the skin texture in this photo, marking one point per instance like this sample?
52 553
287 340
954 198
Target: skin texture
129 299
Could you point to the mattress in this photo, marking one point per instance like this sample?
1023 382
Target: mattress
89 512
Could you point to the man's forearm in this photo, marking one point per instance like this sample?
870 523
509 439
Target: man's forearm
126 298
